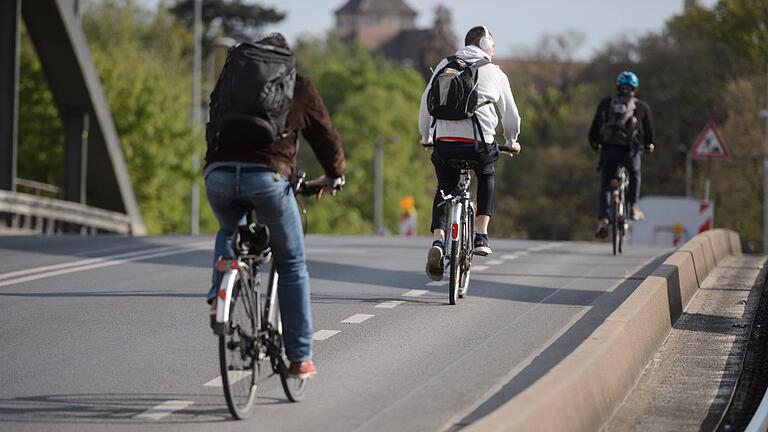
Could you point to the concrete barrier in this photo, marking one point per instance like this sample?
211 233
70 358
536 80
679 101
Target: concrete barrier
583 391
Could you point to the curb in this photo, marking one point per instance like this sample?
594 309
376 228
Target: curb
582 392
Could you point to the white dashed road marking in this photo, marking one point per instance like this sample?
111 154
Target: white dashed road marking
324 334
523 253
234 376
493 262
438 283
415 293
510 257
164 409
479 268
357 318
389 304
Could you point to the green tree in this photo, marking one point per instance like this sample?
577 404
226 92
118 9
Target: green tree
369 99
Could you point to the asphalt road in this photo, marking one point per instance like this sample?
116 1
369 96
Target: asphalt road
98 332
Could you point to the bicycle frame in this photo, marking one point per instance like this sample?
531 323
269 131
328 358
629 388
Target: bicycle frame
457 202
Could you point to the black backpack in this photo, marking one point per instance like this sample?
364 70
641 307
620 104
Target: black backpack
619 126
252 97
453 93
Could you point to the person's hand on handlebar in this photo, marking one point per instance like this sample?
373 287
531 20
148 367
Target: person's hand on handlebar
326 185
511 148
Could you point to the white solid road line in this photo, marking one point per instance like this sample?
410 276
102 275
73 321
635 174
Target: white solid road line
324 334
493 262
389 304
164 409
357 318
82 262
479 268
438 283
415 293
108 262
234 376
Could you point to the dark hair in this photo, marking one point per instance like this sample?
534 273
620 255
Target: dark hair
474 35
275 39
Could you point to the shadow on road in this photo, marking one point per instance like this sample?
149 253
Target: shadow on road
565 344
94 408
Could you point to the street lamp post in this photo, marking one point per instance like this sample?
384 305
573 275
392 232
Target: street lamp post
764 115
194 220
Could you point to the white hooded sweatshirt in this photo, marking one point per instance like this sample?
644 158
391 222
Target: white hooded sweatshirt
492 85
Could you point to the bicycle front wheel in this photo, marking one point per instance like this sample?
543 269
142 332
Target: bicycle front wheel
238 352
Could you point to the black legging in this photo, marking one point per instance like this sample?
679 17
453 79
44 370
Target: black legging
448 176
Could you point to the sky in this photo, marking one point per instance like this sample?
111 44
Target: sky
516 24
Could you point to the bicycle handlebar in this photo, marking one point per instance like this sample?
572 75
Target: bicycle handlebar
502 148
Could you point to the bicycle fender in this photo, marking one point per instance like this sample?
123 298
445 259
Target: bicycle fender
455 226
225 289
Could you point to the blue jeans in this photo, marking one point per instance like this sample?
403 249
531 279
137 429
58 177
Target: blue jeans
273 201
610 160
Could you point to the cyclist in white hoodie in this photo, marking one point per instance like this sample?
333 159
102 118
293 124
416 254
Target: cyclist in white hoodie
460 139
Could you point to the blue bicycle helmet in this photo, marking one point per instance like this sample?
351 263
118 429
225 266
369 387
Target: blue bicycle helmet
627 78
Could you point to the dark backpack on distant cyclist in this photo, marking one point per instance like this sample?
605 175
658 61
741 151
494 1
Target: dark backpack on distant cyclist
620 127
453 93
252 97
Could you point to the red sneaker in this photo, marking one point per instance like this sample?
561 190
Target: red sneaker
302 370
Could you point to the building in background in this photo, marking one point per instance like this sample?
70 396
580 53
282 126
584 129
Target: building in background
388 27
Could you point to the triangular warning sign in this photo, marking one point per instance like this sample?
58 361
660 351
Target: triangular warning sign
709 144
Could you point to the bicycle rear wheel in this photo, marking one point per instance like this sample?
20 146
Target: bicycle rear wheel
615 229
238 352
468 252
294 388
455 264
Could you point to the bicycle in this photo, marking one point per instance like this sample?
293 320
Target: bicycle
248 321
619 210
459 244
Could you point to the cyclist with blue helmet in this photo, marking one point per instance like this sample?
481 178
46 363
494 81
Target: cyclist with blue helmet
621 130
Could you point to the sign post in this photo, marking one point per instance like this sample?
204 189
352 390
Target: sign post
709 145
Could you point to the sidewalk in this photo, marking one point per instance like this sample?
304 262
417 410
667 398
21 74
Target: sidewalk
689 381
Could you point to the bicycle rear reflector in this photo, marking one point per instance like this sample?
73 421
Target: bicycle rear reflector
223 265
455 231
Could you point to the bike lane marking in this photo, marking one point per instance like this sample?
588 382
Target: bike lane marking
415 293
164 409
233 376
324 334
357 318
389 304
438 283
114 260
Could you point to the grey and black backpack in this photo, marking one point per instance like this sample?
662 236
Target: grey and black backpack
453 93
252 97
619 128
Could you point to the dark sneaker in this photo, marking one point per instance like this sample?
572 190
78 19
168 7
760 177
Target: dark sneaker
481 245
212 311
602 228
302 369
435 260
635 213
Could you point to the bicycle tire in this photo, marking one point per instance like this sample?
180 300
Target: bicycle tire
294 388
239 367
615 226
468 253
455 264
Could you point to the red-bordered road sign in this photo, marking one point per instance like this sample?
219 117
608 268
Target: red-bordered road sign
709 144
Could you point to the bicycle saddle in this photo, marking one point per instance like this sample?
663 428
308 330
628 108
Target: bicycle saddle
251 240
462 164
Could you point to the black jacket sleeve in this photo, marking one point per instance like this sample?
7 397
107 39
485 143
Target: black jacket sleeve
597 122
649 133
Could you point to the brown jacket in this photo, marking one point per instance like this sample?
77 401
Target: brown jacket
308 115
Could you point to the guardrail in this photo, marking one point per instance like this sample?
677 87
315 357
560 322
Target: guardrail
52 216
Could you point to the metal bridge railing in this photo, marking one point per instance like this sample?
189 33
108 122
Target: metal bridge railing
52 216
